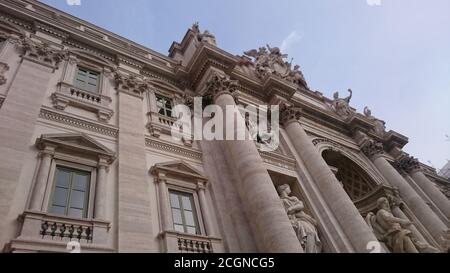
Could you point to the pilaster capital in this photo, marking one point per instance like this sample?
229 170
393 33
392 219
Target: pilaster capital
289 114
41 53
103 162
220 84
408 163
201 185
371 148
130 84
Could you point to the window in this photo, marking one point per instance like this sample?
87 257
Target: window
70 194
87 80
164 105
183 212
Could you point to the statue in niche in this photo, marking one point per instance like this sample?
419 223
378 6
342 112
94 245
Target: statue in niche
304 225
342 105
380 126
393 231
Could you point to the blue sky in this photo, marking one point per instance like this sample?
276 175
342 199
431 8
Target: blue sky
395 56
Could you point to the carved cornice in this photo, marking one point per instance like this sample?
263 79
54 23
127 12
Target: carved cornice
50 30
289 114
179 150
407 163
70 120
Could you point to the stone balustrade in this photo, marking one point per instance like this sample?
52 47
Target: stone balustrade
175 242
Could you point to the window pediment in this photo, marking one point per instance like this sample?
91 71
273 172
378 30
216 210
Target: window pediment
178 168
77 141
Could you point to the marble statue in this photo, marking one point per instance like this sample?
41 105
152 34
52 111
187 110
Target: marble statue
205 37
380 126
342 105
394 232
304 225
270 61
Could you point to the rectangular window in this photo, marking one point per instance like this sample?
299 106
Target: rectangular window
70 196
87 80
165 106
183 212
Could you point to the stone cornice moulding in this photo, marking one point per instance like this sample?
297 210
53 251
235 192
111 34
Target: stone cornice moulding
72 121
173 149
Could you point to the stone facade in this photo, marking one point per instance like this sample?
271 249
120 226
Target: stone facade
87 153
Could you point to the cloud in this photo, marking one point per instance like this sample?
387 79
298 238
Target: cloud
73 2
290 41
373 2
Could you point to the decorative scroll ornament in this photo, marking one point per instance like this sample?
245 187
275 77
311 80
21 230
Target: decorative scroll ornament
380 126
341 106
270 61
221 84
304 225
372 148
408 163
130 84
3 69
394 232
289 114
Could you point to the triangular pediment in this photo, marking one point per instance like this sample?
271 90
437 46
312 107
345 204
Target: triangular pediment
75 141
177 167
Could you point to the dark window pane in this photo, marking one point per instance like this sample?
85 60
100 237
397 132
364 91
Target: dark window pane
77 199
60 197
77 213
58 210
80 181
62 178
174 201
176 215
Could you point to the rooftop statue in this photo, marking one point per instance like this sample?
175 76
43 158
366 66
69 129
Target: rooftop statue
380 126
342 105
270 61
205 37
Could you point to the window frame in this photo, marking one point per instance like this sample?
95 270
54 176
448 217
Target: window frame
82 166
85 209
89 70
167 99
180 195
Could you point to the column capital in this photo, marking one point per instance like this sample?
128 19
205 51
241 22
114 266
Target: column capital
201 185
408 163
289 114
372 148
130 84
219 84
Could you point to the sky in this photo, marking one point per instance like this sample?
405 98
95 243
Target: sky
393 54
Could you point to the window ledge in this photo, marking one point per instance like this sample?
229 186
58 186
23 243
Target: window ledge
67 94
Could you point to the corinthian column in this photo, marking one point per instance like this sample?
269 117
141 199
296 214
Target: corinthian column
354 226
423 212
268 219
412 166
